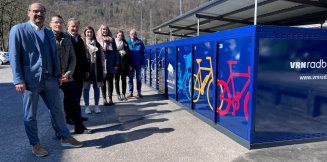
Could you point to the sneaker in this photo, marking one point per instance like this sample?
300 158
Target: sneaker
124 97
71 142
119 98
139 95
130 95
87 110
97 109
39 151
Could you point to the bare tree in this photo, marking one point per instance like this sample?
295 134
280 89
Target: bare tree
10 14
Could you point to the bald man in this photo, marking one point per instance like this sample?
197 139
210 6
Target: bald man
137 49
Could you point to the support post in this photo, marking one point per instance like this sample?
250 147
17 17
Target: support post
198 28
255 11
155 38
180 7
170 34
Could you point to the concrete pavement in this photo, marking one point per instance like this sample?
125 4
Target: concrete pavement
147 129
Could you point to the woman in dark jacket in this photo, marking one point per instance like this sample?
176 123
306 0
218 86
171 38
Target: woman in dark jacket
97 66
109 47
125 61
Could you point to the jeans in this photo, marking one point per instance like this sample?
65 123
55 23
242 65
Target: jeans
96 89
137 69
50 93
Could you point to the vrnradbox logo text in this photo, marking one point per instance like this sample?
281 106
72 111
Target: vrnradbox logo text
309 65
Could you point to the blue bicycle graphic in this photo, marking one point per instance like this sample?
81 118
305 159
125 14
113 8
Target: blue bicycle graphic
183 82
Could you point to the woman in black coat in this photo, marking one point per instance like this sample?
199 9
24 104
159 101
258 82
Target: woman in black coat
125 61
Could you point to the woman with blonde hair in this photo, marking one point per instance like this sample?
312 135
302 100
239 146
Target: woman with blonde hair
97 66
109 47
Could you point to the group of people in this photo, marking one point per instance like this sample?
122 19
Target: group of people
44 60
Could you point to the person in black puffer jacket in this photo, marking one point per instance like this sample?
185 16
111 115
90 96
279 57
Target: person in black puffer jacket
125 61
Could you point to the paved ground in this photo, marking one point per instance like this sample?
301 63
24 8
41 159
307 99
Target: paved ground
148 129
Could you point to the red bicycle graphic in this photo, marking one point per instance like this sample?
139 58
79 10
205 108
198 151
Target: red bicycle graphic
226 94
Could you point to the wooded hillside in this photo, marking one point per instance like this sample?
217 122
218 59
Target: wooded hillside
117 14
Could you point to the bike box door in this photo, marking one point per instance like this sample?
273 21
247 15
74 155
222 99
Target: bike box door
204 75
171 72
154 68
147 67
184 75
234 85
161 69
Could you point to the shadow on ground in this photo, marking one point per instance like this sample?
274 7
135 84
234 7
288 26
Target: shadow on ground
120 138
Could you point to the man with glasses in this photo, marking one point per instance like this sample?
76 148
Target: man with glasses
36 72
67 61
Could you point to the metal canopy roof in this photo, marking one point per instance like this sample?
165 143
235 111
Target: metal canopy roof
218 15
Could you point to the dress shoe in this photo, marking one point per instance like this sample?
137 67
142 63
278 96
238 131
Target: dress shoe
85 131
130 95
84 118
139 95
69 121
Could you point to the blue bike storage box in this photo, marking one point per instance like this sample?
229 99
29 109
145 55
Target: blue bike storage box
260 85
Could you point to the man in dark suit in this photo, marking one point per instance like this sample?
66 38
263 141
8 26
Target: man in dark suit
82 69
36 72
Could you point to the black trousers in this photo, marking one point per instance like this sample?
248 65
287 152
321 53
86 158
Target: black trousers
79 88
109 79
121 73
71 105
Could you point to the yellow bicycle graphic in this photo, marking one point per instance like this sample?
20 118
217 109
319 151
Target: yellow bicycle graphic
199 84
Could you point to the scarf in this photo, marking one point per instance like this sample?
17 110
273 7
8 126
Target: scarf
120 47
106 42
91 47
58 35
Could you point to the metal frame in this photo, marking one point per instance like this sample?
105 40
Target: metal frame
201 16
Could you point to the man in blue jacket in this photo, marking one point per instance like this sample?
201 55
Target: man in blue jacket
138 61
36 72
